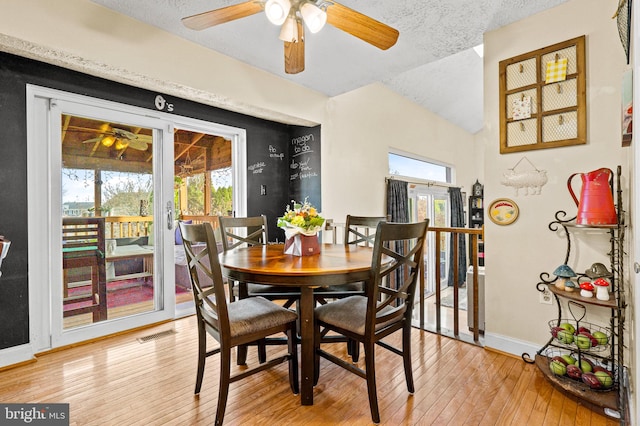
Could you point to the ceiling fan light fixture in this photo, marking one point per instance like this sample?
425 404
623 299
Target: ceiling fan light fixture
277 11
120 144
289 31
313 16
108 141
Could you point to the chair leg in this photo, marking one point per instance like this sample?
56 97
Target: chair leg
242 355
316 358
202 356
369 358
354 350
294 381
262 351
225 374
406 355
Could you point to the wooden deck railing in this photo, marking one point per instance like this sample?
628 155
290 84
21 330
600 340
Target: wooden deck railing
138 226
333 232
127 226
473 244
215 224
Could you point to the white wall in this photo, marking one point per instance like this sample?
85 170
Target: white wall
517 254
359 129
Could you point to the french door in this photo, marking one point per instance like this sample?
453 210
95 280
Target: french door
429 202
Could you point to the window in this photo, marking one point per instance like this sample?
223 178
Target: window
404 165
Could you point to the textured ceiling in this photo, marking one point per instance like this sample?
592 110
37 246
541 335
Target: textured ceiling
433 62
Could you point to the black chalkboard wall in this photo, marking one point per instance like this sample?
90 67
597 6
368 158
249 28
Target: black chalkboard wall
268 147
304 166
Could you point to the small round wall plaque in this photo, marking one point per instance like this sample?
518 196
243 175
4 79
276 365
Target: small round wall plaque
503 211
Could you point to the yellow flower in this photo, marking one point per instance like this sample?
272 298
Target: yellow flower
313 212
297 221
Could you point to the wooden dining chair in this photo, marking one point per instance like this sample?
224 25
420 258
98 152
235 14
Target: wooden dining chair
250 231
358 230
245 321
385 308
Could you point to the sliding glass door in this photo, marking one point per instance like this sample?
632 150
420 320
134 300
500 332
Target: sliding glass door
107 183
112 218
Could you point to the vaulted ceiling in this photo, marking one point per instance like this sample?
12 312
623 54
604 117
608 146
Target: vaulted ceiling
433 63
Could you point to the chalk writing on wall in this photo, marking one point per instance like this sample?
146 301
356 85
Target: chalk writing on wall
273 153
305 166
304 162
256 168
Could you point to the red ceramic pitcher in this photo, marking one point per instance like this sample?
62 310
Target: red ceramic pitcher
596 200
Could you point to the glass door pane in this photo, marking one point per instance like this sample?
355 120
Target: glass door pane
203 191
107 184
433 204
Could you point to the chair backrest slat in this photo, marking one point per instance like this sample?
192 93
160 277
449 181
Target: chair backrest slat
361 230
213 311
398 251
243 231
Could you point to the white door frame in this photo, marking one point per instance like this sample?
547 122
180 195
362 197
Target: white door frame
43 140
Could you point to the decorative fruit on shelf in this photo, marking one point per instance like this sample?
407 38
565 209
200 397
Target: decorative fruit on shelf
582 341
597 368
601 337
558 368
583 329
569 359
593 340
586 366
568 326
604 378
591 380
574 372
555 330
566 337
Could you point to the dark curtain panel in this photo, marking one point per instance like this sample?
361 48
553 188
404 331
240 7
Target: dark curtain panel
457 221
397 201
397 211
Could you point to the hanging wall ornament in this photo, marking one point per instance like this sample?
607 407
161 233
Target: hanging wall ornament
531 181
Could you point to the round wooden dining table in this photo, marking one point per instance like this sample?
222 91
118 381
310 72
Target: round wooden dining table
335 264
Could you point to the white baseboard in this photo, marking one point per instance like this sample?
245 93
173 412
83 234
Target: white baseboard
16 355
510 345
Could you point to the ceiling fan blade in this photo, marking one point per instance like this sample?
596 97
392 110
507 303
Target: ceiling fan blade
294 53
144 138
365 28
137 144
222 15
93 140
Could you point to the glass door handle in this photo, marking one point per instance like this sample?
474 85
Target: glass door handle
169 215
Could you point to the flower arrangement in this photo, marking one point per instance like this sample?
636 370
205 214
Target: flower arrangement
302 219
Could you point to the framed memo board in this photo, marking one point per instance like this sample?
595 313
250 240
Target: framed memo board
543 98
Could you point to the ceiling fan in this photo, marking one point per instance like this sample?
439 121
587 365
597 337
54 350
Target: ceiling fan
290 14
122 139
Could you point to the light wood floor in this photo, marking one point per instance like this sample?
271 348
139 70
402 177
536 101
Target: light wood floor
120 381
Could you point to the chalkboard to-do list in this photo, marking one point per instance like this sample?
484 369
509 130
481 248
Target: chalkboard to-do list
304 165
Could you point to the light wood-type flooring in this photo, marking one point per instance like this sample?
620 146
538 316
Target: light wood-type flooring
121 381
